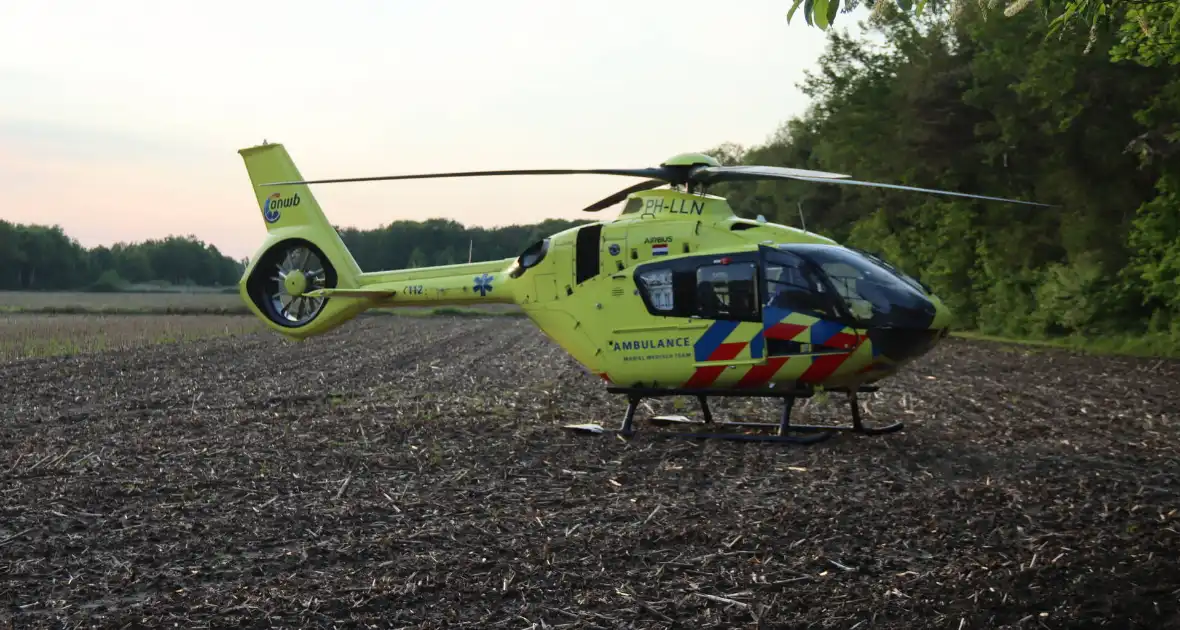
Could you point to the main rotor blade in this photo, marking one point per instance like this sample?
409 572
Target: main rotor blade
715 174
925 190
657 173
622 194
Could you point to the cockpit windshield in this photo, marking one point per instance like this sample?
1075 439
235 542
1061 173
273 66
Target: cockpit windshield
914 282
873 293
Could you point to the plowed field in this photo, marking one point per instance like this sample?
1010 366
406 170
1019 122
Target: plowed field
411 472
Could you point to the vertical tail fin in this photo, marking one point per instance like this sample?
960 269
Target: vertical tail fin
292 206
301 253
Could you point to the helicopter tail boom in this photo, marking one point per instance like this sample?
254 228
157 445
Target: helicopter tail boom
469 283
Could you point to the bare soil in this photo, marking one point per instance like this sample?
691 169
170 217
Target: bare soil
412 472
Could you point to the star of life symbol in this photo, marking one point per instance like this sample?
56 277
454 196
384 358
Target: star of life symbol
483 284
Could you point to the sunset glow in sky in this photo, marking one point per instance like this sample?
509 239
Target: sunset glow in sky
120 120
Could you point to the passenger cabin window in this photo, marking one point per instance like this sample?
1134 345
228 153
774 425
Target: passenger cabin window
704 289
727 292
657 284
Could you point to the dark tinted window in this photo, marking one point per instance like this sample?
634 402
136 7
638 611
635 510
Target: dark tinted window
701 287
657 285
588 252
529 258
917 284
873 294
727 292
791 285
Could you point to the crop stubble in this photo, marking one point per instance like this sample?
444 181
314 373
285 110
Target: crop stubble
417 477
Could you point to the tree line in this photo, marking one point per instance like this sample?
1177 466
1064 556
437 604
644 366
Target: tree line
968 98
44 258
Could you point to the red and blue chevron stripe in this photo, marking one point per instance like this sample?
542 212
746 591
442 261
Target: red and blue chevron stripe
717 344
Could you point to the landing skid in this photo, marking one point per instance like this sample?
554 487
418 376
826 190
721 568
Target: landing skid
782 431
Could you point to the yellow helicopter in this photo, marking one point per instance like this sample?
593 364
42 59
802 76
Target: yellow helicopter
677 296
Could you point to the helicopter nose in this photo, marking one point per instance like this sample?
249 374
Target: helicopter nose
914 338
904 344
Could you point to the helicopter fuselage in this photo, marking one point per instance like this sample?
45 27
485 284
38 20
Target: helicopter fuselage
678 292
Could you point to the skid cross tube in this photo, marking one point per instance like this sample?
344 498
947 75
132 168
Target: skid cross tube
782 431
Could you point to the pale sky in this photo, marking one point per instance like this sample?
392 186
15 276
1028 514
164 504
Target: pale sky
120 120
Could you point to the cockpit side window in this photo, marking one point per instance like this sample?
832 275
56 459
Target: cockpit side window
792 286
873 293
851 285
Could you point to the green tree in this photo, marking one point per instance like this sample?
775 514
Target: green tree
1148 31
39 257
966 98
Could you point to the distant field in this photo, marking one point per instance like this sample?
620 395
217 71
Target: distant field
25 335
37 324
179 303
82 302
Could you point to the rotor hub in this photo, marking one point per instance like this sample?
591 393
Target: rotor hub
691 159
295 282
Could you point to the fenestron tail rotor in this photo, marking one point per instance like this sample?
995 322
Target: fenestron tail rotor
695 171
288 272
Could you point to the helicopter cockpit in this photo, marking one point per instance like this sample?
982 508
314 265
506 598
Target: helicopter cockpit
832 282
846 285
804 276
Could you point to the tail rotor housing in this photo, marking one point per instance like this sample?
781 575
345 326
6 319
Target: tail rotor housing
301 253
284 273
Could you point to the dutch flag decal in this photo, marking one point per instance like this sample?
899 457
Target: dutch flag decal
659 249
